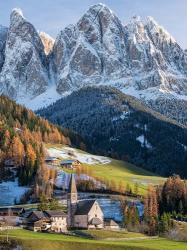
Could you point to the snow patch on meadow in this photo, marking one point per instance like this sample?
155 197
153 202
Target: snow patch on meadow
11 191
72 153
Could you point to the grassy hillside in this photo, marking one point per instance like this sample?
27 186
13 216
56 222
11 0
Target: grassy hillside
120 171
32 241
116 170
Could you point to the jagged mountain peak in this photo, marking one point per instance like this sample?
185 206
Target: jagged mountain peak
98 15
157 30
16 17
24 71
17 11
100 7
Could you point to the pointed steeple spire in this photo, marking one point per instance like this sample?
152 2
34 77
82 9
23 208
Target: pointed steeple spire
72 185
72 190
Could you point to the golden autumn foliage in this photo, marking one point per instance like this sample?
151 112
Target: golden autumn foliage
22 134
17 151
151 210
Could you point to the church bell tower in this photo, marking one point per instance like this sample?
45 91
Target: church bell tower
72 201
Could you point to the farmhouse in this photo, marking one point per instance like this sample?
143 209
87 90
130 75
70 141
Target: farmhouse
55 221
70 164
52 160
85 214
36 221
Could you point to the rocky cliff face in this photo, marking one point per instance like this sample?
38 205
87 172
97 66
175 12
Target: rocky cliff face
99 49
91 52
24 71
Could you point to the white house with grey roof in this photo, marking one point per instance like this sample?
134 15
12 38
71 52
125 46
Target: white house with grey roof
83 213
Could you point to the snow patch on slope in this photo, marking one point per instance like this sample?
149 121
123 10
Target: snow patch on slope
72 153
143 141
11 191
41 101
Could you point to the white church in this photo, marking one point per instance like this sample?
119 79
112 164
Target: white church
83 213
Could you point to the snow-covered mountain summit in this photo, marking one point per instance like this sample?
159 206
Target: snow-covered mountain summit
99 49
24 71
140 58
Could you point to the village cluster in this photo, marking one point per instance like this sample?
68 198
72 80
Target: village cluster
81 214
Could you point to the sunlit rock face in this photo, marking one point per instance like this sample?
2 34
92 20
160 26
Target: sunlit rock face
47 41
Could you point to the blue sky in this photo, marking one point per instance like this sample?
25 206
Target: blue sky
53 15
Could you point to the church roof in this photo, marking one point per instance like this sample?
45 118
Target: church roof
72 185
84 207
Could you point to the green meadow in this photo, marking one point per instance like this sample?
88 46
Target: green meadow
43 241
120 172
